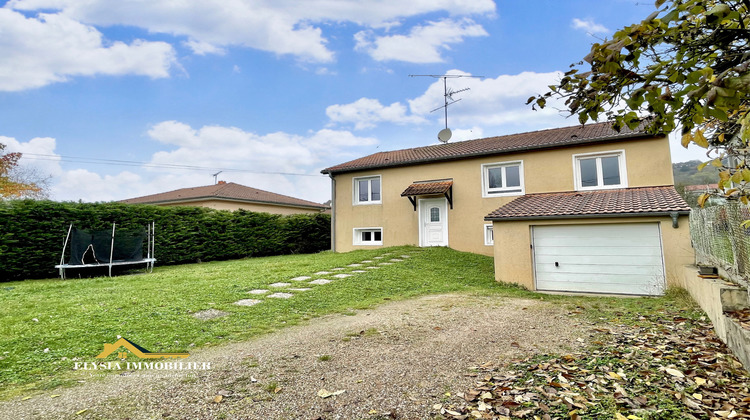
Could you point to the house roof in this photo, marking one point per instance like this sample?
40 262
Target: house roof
425 188
223 191
543 139
642 201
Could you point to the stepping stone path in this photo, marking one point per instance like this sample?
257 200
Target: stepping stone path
320 282
258 292
262 294
281 295
248 302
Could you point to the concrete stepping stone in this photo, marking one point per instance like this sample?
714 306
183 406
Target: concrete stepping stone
248 302
301 278
301 289
320 281
405 256
377 258
281 295
385 263
322 273
359 271
342 276
373 268
210 314
258 291
280 284
338 269
396 260
354 265
366 261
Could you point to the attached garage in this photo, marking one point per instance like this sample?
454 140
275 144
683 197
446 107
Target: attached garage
601 258
631 241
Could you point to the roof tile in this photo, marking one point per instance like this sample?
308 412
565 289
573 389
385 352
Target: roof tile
566 136
228 190
627 201
423 188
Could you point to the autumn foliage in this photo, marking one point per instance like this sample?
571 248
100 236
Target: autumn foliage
10 188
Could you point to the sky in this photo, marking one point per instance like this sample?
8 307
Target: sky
115 100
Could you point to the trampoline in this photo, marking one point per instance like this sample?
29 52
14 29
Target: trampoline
105 248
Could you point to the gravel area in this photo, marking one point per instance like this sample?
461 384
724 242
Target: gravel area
394 361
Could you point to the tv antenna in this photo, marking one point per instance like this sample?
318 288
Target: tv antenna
216 175
445 134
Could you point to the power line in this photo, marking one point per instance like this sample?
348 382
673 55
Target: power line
116 162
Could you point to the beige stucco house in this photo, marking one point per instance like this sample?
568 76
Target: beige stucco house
231 196
575 209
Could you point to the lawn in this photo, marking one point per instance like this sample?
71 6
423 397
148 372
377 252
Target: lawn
47 325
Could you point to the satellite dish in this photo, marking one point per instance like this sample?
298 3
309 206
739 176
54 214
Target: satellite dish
444 135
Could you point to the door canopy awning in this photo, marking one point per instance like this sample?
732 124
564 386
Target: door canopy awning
442 187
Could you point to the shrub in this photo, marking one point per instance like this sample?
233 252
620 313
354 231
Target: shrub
32 233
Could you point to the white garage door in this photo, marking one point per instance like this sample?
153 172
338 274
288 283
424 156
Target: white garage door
623 259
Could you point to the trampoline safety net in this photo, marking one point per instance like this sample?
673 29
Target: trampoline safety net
94 247
108 248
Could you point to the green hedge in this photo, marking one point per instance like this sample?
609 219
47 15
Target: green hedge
32 233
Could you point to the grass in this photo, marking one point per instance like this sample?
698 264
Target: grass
48 325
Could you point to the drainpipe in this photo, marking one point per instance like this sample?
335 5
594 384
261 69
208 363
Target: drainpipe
333 212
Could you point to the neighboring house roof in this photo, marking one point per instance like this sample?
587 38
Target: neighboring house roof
642 201
224 191
535 140
701 188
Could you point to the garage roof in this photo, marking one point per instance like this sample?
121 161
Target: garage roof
642 201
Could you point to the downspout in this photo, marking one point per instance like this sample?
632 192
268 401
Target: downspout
333 212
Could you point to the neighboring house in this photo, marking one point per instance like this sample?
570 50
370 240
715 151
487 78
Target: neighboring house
579 209
231 196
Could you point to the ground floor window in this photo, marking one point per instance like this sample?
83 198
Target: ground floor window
368 236
489 237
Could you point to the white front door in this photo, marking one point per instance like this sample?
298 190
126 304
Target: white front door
433 222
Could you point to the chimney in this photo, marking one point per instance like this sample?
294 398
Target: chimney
222 182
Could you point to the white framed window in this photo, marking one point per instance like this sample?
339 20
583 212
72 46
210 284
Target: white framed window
599 171
502 178
368 236
367 190
489 236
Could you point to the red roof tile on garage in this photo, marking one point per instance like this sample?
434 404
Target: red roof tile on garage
556 137
642 201
226 191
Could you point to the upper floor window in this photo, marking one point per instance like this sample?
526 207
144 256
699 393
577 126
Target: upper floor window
600 171
504 178
367 190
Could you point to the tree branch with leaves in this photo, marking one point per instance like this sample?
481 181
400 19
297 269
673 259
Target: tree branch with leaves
685 66
13 180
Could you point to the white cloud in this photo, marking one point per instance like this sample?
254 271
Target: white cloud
52 47
280 27
367 113
423 44
589 26
38 154
499 103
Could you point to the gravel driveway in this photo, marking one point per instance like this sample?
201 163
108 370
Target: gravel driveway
394 361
